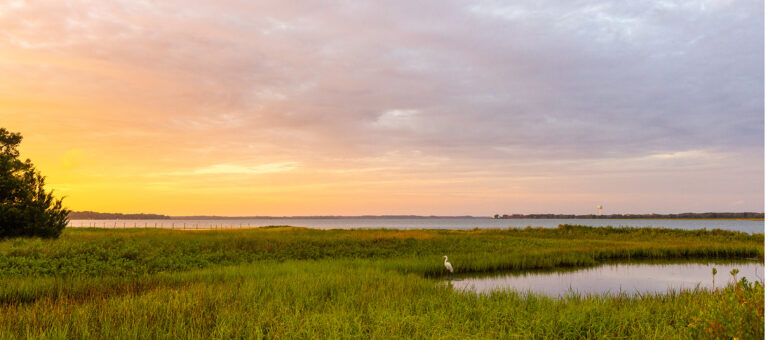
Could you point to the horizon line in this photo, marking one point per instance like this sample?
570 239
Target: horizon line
516 215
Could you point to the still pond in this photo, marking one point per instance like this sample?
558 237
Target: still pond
614 278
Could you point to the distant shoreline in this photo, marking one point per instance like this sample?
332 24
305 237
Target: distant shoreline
394 218
633 218
114 216
710 215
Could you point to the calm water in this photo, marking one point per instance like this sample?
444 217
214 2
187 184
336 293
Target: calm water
613 278
430 223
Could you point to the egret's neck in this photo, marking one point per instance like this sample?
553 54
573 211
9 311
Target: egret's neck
445 259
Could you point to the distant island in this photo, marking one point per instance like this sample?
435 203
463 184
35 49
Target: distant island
688 215
92 215
328 217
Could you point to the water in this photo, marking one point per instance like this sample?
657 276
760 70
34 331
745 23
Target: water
615 278
428 223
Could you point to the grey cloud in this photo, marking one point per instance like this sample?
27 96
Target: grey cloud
574 80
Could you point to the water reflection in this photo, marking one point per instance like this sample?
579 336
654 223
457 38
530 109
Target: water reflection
614 278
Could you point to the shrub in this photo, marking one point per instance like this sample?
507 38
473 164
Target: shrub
26 209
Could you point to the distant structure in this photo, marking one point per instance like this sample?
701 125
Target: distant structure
599 210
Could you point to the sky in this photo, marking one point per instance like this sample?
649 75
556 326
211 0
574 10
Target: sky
389 107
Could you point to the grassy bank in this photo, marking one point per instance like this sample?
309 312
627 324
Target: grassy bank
296 282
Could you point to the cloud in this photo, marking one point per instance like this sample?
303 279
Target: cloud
397 119
482 86
234 169
582 78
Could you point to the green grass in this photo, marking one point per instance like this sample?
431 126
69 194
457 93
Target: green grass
294 282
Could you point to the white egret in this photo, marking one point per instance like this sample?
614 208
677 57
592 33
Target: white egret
447 264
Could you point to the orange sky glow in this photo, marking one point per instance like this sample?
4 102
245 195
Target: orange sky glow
236 108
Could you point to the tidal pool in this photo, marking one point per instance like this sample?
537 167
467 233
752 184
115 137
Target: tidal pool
630 278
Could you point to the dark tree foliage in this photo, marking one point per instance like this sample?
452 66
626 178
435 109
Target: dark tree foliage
706 215
26 209
92 215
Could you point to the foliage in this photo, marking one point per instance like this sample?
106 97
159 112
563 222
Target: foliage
99 252
707 215
352 299
26 209
735 312
92 215
285 282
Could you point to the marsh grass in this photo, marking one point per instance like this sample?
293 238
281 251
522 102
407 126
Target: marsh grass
99 252
304 283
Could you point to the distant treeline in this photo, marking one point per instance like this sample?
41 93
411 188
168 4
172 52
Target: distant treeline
706 215
203 217
92 215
